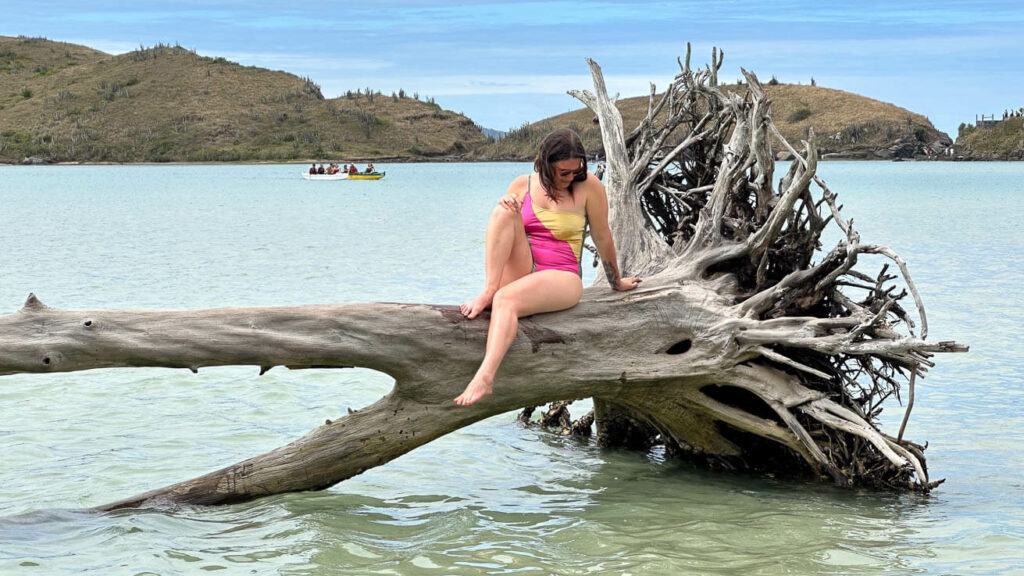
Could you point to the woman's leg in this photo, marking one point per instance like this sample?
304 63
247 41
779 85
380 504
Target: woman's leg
544 291
507 258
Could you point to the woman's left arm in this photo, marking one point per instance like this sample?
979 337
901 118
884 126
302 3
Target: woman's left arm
597 213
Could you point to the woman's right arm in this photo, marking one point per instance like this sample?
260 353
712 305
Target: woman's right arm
513 198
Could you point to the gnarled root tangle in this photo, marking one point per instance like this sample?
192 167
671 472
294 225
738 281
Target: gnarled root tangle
696 198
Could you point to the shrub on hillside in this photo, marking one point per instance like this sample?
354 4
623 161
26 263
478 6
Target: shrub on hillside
800 115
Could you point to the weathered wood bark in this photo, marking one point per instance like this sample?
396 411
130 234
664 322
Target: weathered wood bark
738 348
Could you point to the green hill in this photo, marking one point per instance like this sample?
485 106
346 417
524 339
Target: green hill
70 103
846 125
992 140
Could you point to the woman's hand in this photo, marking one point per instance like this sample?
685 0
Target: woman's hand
625 284
510 202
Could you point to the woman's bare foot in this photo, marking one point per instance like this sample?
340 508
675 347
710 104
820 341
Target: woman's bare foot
479 387
474 307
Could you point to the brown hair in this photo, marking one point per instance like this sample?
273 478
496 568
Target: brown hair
557 146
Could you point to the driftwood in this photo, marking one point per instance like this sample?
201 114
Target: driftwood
740 348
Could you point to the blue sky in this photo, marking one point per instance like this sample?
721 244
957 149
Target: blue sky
504 63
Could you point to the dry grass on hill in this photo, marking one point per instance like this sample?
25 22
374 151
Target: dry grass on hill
167 103
41 56
1004 139
842 122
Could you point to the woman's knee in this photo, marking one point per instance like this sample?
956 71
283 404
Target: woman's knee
504 300
504 215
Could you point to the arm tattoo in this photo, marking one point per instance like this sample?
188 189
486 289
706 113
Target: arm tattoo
611 273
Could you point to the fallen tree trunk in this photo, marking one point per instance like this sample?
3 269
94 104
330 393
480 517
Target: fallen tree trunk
738 349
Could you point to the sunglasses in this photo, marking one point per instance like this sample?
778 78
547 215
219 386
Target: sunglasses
564 173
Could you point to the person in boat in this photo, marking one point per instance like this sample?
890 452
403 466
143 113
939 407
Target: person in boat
533 249
369 168
353 170
312 169
344 169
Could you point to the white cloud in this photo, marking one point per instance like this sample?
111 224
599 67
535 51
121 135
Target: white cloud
305 64
482 85
858 51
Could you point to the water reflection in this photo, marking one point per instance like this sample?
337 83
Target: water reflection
581 510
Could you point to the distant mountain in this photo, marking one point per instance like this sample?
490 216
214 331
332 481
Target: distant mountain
846 125
493 134
64 102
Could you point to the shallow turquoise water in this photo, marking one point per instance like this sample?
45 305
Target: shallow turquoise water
494 498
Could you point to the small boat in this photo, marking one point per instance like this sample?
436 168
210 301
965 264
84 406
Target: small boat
366 176
338 176
343 176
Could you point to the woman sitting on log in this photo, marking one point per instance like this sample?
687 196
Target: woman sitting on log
534 246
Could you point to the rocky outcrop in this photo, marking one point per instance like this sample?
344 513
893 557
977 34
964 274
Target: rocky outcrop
909 148
37 160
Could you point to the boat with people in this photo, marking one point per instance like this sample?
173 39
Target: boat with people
349 172
343 176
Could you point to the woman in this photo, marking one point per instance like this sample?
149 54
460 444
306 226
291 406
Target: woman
533 249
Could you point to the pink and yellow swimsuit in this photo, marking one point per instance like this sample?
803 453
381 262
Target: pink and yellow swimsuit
555 236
